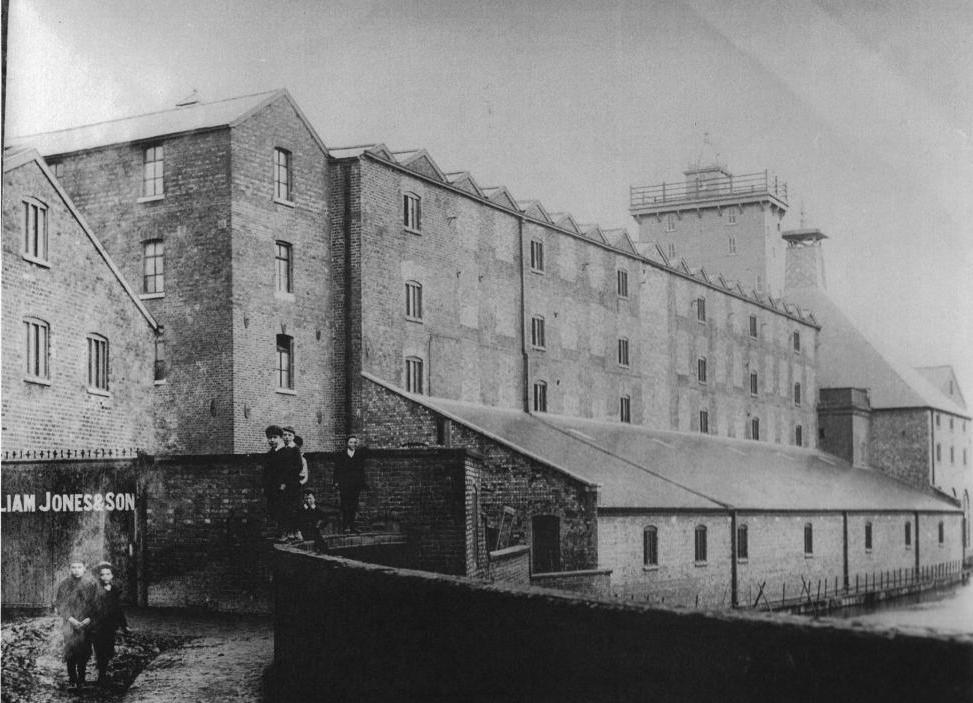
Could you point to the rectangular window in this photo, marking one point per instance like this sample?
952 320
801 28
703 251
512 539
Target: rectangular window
964 457
284 267
412 212
797 341
797 394
152 170
282 175
153 267
908 534
672 251
755 428
37 345
701 309
952 457
540 397
942 532
704 421
670 222
57 167
413 375
160 368
799 436
701 369
868 536
753 326
97 362
753 383
285 362
622 284
623 352
808 539
731 217
939 452
35 230
536 256
951 423
413 300
625 408
938 419
650 546
537 332
733 244
699 553
743 546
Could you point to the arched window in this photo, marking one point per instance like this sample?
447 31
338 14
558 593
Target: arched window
537 337
650 546
540 397
35 230
412 212
285 362
623 351
413 301
413 374
97 362
700 543
37 349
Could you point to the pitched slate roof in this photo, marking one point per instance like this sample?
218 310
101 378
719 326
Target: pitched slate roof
155 124
641 468
941 377
848 359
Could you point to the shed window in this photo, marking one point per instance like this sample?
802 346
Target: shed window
650 546
700 544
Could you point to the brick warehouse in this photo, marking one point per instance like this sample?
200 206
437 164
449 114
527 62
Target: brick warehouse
290 279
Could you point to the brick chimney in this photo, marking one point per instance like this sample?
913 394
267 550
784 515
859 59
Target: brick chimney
804 259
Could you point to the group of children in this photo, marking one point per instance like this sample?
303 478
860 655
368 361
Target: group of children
285 475
91 613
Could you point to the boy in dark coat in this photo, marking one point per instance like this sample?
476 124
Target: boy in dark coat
349 479
75 603
109 617
281 479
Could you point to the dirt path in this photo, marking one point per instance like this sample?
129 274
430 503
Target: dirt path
171 656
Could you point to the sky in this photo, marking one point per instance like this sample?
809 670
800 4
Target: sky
864 107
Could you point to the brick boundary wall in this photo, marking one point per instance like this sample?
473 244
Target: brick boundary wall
354 632
592 581
511 565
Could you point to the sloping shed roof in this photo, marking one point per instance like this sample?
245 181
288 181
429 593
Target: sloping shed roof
154 124
640 468
750 475
848 359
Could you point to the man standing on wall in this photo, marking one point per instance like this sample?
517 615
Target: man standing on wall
281 478
349 479
75 602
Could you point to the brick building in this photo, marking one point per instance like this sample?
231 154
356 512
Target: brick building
79 345
365 290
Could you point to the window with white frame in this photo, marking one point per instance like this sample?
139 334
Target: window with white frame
732 244
731 216
701 369
540 397
536 256
97 362
37 348
283 175
701 309
754 428
625 408
35 230
672 251
413 374
285 362
537 339
413 301
284 267
153 164
153 266
623 351
622 283
412 212
704 421
671 222
797 394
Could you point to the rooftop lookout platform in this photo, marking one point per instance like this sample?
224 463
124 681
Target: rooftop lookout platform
712 186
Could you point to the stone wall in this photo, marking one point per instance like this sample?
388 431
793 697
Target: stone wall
454 639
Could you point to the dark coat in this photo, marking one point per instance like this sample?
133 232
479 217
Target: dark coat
349 471
281 467
109 615
77 598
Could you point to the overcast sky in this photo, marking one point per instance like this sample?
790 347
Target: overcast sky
864 107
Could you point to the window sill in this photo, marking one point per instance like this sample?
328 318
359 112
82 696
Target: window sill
808 556
534 347
151 296
151 198
281 295
653 567
287 391
743 560
417 320
285 203
539 272
43 263
700 563
410 230
99 392
160 382
37 380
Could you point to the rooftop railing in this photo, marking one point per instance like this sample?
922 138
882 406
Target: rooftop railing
708 188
